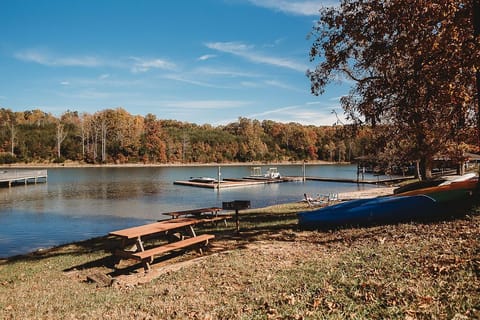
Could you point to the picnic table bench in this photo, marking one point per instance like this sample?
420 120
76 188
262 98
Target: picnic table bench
138 235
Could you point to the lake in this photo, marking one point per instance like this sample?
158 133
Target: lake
80 203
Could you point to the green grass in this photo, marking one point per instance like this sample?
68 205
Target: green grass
271 270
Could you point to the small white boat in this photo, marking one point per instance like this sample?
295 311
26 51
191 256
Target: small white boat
272 173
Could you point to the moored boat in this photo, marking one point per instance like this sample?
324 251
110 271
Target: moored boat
272 173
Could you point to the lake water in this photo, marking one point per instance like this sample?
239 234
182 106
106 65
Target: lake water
81 203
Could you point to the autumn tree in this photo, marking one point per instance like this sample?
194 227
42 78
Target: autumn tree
60 136
153 144
413 65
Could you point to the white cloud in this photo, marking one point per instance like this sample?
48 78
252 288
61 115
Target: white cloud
206 104
104 76
279 84
301 8
65 83
183 78
207 57
247 52
304 114
88 94
225 72
144 65
250 84
135 64
48 59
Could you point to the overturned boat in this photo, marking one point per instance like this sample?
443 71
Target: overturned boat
380 210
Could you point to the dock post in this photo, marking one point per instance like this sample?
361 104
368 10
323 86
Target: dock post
304 172
219 174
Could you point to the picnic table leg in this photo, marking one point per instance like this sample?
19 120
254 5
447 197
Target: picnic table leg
191 231
237 221
146 264
140 244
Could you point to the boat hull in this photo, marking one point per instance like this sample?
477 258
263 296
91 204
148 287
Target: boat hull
380 210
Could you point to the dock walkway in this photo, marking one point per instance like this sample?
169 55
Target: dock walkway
362 181
248 181
11 176
232 182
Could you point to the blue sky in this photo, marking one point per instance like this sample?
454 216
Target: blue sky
203 61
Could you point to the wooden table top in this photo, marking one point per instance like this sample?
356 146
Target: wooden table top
152 228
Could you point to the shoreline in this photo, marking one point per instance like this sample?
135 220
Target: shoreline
167 165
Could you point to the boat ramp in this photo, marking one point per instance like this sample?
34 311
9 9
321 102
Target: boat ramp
9 177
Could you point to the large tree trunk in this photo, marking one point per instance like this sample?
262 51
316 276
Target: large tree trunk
426 165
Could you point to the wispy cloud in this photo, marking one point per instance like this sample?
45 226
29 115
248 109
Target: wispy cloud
135 64
206 104
189 80
225 72
300 8
283 110
144 65
206 57
46 58
303 113
250 84
89 94
248 52
281 85
65 83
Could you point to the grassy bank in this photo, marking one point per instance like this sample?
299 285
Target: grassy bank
271 270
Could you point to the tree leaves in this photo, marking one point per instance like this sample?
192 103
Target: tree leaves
413 64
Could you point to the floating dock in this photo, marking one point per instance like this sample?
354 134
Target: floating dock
232 182
8 177
361 181
254 181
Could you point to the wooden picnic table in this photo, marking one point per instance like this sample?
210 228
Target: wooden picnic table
138 235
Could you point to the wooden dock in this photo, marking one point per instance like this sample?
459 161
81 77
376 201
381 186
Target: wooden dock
254 181
20 176
232 182
361 181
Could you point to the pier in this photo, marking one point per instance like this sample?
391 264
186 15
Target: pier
362 181
254 181
21 176
232 182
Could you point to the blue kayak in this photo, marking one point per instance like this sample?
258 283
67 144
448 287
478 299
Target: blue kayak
370 211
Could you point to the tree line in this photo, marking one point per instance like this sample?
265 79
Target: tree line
116 136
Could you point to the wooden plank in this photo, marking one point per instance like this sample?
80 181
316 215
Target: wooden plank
152 228
172 246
